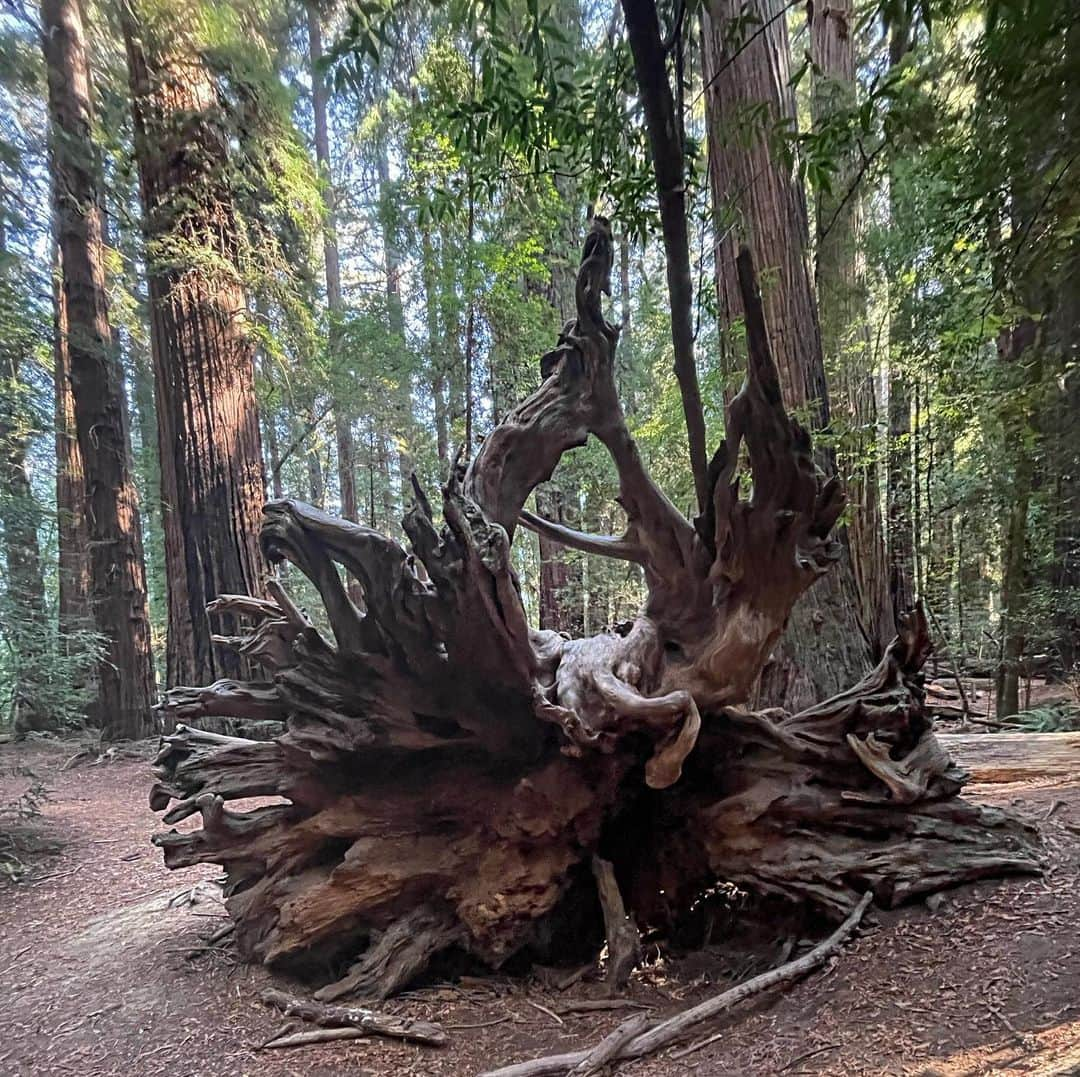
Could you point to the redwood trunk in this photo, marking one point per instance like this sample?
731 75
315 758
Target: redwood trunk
840 276
117 572
757 200
73 557
561 591
208 427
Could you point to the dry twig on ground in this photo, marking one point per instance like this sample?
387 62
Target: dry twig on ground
672 1029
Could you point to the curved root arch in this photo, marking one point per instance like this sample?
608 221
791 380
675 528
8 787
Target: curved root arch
449 773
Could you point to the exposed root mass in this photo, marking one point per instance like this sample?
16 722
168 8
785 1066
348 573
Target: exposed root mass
446 773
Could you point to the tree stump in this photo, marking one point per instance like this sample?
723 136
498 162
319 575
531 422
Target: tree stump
447 774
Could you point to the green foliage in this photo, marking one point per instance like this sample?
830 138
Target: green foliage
21 836
469 141
1052 718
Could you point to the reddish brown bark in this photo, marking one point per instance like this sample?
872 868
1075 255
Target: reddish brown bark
561 591
758 201
73 560
208 428
117 572
840 276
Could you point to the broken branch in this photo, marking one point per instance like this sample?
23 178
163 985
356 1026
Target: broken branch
674 1028
368 1022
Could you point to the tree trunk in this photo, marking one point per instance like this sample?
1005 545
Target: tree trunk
316 475
756 197
470 318
343 411
1015 577
561 592
117 572
208 426
273 445
840 276
599 584
1065 576
148 471
26 633
900 530
73 560
1021 350
666 146
449 774
901 545
392 265
941 543
436 350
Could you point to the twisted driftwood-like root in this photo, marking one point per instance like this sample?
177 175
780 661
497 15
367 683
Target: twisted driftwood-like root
447 774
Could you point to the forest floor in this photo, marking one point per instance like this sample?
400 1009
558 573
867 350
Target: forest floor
104 971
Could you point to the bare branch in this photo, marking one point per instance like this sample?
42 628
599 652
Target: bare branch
602 545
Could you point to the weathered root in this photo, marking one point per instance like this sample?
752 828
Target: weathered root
797 806
397 955
314 879
231 699
623 939
446 773
371 1022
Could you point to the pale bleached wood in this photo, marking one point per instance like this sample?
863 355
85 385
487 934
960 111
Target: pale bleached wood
995 758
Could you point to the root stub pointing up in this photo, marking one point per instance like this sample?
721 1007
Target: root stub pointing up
446 773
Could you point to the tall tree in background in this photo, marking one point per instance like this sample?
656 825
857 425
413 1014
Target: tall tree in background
667 146
73 547
208 426
118 575
393 265
343 422
562 582
840 276
19 512
900 531
757 200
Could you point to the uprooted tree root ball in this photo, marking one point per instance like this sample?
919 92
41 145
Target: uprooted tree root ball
449 773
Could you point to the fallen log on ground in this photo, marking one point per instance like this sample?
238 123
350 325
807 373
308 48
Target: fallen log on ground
1015 757
317 1035
369 1022
448 773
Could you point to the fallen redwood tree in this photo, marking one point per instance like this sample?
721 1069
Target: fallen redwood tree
449 777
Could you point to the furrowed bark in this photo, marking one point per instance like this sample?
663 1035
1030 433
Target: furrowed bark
758 201
125 676
73 564
208 426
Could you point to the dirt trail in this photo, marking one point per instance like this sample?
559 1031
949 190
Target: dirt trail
97 978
